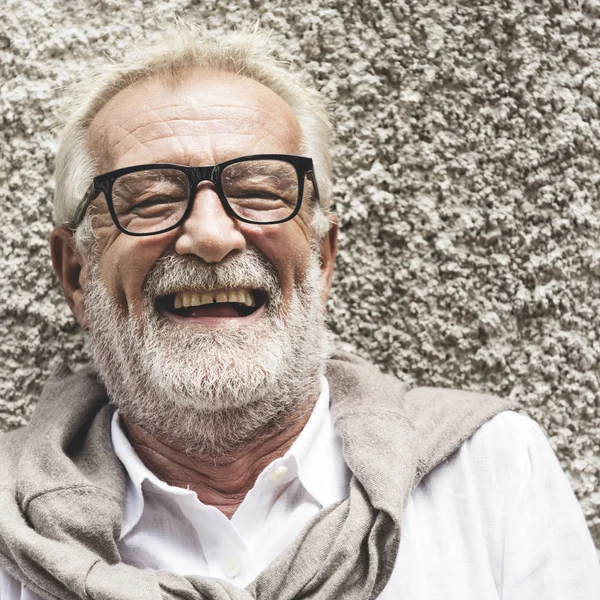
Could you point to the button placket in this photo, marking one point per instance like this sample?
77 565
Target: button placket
278 473
232 567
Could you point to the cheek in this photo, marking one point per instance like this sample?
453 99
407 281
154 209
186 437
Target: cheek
287 247
125 262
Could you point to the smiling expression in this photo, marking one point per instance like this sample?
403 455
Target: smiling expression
203 119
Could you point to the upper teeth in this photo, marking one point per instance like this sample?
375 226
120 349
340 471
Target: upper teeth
187 299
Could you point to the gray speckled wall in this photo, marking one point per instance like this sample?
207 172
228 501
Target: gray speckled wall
466 180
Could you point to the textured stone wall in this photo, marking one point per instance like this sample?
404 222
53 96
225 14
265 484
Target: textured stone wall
466 181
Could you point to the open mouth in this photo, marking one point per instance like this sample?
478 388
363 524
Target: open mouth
235 303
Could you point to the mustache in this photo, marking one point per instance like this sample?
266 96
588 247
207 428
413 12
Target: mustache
247 269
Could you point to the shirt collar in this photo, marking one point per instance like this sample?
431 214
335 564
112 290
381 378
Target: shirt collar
315 456
317 452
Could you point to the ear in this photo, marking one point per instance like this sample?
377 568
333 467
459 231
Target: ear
328 245
69 265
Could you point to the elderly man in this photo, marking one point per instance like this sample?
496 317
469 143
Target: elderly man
212 450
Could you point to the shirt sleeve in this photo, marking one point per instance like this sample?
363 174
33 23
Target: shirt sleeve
548 549
11 589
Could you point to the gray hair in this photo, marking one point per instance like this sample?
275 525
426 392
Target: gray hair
182 46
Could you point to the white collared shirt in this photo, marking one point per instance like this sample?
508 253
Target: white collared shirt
166 527
496 521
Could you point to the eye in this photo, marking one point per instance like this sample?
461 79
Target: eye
157 202
258 194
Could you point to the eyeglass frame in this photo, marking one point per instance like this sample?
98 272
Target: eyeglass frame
103 183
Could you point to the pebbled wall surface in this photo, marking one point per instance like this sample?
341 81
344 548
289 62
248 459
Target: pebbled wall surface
467 182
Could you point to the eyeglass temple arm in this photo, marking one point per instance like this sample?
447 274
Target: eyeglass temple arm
89 197
313 180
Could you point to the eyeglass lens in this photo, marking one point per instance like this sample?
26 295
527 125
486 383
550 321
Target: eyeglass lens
152 200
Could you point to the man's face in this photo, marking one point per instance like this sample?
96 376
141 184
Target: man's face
173 370
207 119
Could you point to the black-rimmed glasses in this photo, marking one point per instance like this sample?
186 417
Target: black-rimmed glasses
156 198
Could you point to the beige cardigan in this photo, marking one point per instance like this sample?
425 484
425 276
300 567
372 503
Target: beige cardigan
62 493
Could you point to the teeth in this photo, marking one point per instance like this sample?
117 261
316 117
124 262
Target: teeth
248 301
187 299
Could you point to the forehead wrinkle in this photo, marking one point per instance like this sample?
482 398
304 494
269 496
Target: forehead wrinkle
186 105
256 129
168 123
256 114
132 141
185 150
264 123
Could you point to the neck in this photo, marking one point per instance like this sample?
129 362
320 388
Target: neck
222 481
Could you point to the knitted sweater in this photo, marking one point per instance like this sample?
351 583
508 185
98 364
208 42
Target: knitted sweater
62 493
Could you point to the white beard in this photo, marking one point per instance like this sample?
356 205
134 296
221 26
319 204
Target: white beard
205 390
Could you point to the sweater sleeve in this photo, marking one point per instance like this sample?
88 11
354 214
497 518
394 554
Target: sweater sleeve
548 550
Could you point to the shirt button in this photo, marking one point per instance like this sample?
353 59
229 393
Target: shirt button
278 473
232 567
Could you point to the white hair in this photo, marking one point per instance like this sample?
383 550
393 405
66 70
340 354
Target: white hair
183 46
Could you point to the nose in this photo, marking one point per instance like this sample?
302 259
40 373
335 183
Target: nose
209 232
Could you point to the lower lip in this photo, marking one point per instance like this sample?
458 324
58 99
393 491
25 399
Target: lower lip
216 322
